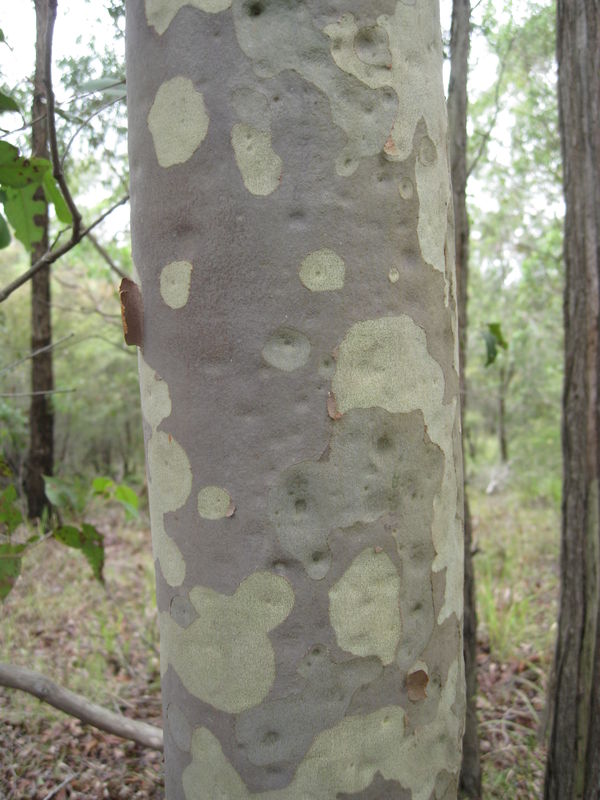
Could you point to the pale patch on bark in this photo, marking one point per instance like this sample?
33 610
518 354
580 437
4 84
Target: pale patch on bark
373 363
169 473
284 37
225 657
364 607
286 349
214 503
323 271
178 121
259 165
413 38
346 757
175 281
160 13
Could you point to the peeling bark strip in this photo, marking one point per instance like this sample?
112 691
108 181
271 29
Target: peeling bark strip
573 766
132 312
290 201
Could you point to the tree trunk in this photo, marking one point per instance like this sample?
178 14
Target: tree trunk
41 415
299 379
470 774
573 766
503 383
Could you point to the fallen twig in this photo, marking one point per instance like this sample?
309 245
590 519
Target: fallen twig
38 685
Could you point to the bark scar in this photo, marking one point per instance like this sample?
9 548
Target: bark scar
132 312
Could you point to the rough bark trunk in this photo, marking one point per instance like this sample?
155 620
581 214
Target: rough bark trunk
299 378
470 774
573 766
40 460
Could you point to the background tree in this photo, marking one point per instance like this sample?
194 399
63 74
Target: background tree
41 415
573 767
470 776
290 203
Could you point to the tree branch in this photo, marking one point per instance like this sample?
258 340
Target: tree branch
35 353
106 256
53 255
485 137
51 122
26 680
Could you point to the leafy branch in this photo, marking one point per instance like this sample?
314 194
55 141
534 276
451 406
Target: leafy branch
20 178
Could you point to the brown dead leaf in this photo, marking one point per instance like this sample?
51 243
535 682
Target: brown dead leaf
416 683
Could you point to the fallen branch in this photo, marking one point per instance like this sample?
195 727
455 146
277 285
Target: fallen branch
26 680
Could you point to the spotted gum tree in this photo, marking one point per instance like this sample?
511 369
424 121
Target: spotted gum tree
291 221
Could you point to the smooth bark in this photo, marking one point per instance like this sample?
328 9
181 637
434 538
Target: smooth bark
300 393
573 766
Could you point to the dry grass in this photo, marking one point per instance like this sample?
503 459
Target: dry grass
103 642
99 641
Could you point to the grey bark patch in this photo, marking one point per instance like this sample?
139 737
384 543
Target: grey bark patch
179 727
282 730
182 611
372 468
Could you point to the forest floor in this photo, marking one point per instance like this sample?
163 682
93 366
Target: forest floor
103 643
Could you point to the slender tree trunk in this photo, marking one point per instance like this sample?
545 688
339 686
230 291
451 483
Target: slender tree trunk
41 415
573 767
470 775
503 384
299 377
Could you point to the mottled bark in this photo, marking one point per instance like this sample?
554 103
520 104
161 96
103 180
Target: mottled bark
470 774
299 377
40 461
573 766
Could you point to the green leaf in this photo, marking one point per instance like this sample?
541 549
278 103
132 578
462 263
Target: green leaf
4 233
55 196
59 493
2 39
16 171
496 330
128 499
10 515
21 208
10 566
101 485
87 539
8 103
493 340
